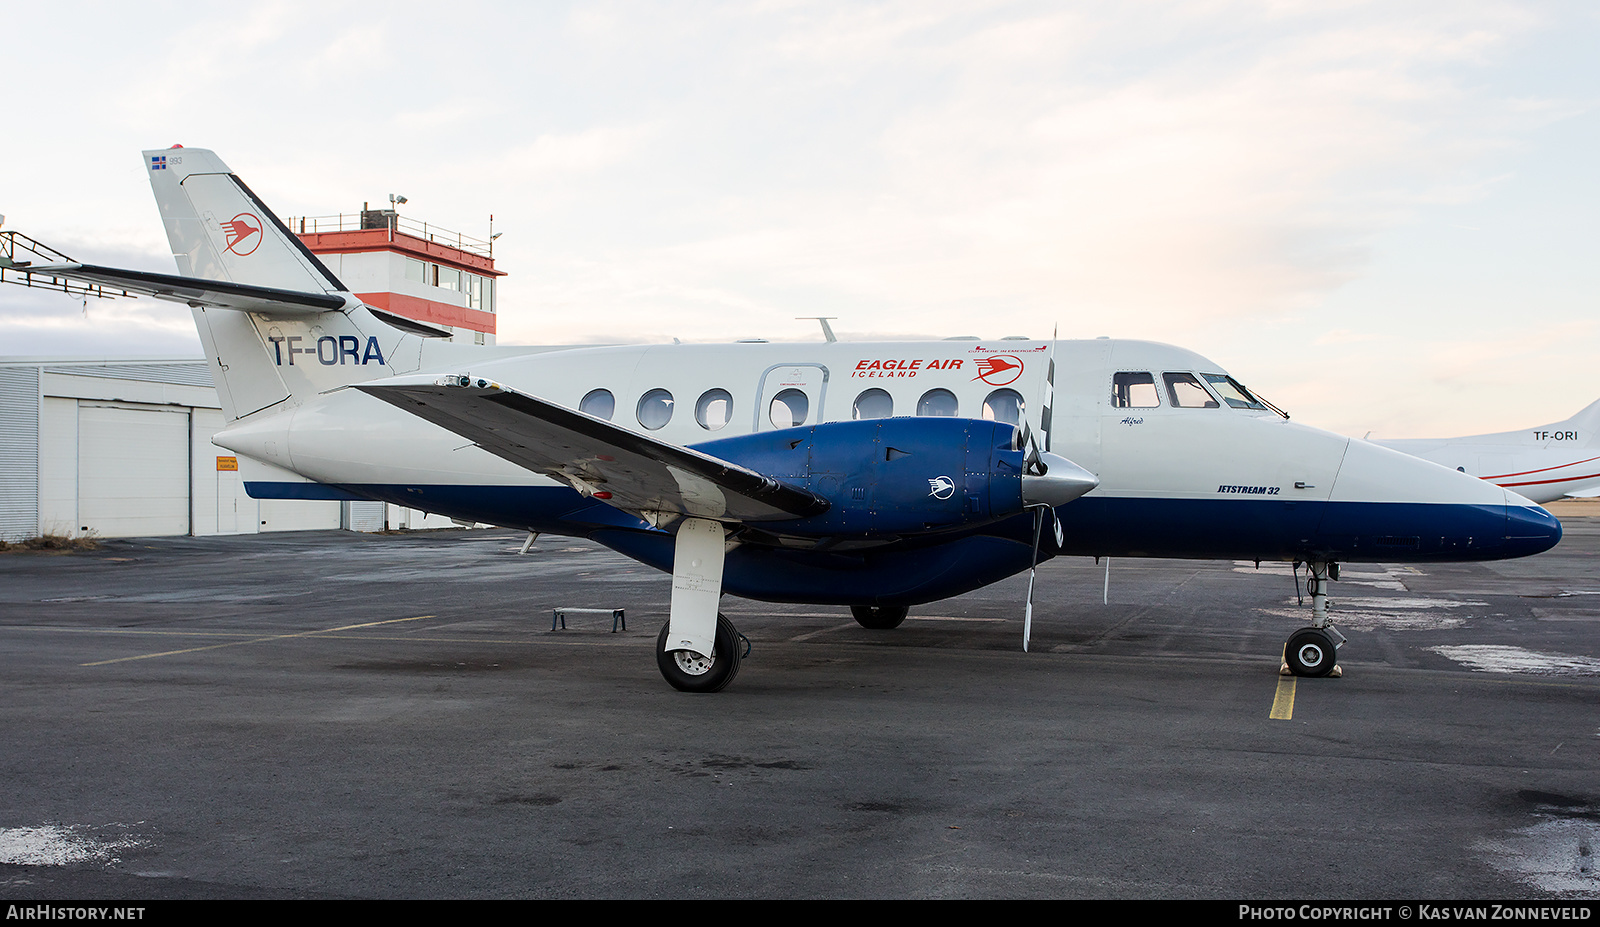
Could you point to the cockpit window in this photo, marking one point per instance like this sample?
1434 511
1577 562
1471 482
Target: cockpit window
1134 391
1235 395
1232 393
1185 392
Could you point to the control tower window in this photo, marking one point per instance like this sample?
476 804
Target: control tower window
1134 391
1185 392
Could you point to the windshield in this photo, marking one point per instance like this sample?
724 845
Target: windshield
1237 397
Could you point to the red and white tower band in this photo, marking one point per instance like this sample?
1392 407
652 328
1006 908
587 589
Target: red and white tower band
409 268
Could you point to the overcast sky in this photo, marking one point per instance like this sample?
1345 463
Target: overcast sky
1380 215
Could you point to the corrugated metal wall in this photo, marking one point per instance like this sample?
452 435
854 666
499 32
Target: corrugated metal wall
19 452
363 516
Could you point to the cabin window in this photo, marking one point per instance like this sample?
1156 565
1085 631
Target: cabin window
714 409
598 403
1003 405
1233 393
789 409
873 403
1185 392
655 409
938 402
1134 391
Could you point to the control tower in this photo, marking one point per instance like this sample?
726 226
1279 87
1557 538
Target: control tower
442 278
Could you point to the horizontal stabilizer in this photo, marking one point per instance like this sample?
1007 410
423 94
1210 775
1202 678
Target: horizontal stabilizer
196 292
628 470
411 326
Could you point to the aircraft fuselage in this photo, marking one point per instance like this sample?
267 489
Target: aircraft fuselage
1183 473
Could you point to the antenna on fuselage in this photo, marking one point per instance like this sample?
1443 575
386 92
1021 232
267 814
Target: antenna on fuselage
827 330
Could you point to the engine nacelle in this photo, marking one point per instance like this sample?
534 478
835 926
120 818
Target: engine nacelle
890 477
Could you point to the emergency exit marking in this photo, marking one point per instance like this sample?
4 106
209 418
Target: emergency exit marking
227 463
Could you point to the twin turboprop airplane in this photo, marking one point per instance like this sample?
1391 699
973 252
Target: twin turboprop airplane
874 476
1544 464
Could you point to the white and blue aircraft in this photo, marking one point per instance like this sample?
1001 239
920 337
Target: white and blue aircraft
1544 463
874 476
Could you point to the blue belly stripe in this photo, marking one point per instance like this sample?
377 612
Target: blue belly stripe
930 567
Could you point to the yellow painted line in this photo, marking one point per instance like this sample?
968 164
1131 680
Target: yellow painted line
255 640
1283 702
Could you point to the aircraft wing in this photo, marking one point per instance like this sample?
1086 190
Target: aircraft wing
631 471
194 291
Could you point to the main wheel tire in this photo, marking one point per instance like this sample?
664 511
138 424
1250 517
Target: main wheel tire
1310 652
879 617
688 671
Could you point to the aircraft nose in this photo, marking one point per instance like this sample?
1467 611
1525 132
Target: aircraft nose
1393 504
1530 528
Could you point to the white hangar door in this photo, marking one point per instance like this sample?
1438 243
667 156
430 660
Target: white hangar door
133 471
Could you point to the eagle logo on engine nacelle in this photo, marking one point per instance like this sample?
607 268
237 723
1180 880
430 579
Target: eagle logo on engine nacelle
941 487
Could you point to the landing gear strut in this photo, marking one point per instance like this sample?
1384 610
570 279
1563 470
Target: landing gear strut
1314 651
879 617
689 671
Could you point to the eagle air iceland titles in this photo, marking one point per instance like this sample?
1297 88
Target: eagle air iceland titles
875 476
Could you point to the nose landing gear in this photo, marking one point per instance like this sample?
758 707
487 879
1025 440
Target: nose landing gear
1314 651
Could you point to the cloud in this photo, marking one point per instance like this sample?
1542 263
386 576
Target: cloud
1224 173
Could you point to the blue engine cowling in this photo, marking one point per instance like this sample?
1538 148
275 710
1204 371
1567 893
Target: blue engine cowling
889 477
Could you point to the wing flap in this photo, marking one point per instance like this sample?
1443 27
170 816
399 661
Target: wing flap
195 291
623 468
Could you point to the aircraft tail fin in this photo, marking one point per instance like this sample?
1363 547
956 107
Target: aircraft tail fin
274 321
1586 423
220 230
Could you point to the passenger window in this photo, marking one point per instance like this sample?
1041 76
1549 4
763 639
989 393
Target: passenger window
873 403
938 402
1003 405
598 403
1185 392
655 409
714 409
1233 393
1134 391
789 409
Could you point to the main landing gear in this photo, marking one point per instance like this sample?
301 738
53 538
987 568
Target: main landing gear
879 617
1314 651
689 671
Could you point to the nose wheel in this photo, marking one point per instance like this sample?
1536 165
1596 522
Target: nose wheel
1314 651
1310 652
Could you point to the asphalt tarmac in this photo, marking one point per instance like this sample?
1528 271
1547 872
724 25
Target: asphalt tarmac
329 715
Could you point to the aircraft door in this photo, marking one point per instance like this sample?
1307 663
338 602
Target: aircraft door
791 395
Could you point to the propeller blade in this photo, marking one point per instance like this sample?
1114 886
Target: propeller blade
1048 400
1065 485
1033 570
